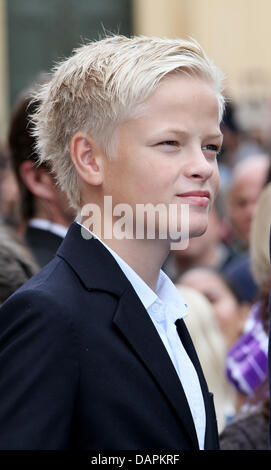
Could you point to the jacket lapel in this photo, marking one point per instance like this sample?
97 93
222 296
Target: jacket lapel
135 324
189 347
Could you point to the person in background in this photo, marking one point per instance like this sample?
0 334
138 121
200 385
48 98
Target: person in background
9 192
16 263
211 348
248 180
249 177
247 361
237 144
45 211
2 169
229 310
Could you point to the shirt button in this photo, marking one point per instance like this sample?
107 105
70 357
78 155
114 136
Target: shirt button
156 308
158 312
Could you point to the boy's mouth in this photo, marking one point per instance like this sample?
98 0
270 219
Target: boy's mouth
199 198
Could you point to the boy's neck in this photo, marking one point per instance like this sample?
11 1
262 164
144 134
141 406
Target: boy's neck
145 257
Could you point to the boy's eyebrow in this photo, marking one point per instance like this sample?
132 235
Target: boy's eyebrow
185 134
219 135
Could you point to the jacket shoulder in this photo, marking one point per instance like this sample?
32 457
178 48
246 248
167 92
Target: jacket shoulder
44 292
56 292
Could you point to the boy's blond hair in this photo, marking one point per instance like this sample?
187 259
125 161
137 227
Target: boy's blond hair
100 86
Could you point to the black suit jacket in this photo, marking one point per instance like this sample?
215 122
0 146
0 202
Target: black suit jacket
43 244
82 365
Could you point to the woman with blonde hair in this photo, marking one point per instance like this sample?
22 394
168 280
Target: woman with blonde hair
211 348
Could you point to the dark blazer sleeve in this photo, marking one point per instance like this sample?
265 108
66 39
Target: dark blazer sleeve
39 373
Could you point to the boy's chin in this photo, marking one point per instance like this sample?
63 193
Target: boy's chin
197 229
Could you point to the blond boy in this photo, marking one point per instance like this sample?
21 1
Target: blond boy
94 350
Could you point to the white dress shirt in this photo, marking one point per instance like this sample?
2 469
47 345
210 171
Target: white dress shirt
164 307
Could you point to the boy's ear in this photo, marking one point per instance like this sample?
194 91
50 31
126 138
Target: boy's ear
87 158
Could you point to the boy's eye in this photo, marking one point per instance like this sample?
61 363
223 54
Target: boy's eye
212 148
171 143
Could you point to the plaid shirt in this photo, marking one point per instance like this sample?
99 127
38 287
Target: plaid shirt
247 360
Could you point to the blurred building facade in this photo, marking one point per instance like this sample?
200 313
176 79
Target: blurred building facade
34 34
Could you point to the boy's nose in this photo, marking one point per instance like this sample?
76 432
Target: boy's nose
200 167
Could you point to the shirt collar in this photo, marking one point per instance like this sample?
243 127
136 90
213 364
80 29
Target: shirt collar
44 224
170 296
166 293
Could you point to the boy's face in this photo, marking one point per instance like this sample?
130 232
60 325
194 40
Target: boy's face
169 151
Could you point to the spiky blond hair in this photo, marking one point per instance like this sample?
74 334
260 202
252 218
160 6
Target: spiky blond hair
99 87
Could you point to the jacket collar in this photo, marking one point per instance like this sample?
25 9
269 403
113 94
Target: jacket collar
93 264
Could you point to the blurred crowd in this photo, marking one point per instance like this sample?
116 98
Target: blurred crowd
224 275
